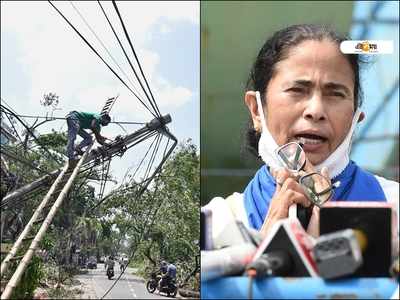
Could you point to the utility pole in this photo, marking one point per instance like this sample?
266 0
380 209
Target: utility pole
117 147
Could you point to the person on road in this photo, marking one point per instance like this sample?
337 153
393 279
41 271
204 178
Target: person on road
110 263
168 276
123 262
163 267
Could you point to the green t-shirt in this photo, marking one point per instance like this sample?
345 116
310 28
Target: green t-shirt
85 119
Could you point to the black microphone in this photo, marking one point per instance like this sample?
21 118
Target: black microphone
274 263
288 236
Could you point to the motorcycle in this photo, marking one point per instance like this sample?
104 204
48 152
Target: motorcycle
110 273
152 285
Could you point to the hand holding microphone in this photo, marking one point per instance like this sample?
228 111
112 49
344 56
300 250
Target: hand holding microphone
297 183
288 192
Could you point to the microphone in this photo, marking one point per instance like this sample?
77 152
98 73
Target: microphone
303 214
227 261
339 253
240 245
288 235
273 263
371 223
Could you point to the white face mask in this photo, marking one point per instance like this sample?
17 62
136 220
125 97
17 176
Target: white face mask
336 162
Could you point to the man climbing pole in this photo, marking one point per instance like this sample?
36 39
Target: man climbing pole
77 122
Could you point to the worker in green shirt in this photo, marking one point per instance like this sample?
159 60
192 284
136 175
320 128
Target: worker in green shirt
78 121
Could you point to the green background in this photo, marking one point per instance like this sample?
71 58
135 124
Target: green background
232 32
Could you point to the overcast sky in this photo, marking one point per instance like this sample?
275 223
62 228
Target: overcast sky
40 53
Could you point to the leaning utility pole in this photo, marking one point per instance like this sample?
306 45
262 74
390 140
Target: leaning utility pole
58 191
116 148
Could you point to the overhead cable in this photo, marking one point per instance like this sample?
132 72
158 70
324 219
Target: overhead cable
94 50
153 103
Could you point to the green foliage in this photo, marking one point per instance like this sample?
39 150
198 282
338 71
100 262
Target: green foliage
164 223
47 243
30 280
62 232
54 140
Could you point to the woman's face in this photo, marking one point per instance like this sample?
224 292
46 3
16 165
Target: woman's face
310 98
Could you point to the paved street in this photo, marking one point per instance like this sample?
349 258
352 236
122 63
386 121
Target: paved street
128 287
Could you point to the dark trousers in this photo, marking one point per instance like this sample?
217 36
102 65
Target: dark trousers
73 130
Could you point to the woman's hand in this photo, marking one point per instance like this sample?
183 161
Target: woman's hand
288 192
313 226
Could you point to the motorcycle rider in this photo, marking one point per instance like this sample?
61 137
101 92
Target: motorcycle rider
168 275
123 263
163 267
110 263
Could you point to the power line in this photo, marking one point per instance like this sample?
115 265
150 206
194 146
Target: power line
127 57
100 41
153 155
147 136
154 104
138 194
15 130
144 157
11 155
61 118
104 175
94 50
8 106
31 133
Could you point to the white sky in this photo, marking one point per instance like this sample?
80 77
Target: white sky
41 53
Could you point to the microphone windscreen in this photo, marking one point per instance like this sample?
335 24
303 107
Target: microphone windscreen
288 235
226 261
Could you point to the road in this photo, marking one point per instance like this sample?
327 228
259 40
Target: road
128 287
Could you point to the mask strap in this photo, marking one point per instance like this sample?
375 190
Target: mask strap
261 111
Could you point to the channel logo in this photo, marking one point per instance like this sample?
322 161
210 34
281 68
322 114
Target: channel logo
366 47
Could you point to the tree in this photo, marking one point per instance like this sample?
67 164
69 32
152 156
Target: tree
164 223
29 165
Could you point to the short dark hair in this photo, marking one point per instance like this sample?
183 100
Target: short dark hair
106 117
276 49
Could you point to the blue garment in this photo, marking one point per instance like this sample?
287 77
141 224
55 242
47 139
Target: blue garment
355 185
171 271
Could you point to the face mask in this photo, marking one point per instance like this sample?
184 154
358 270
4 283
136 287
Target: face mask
336 162
267 144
